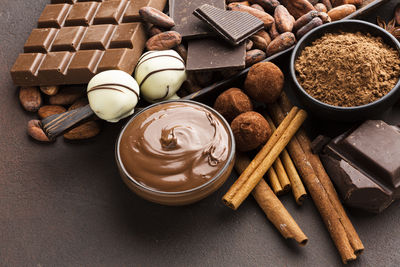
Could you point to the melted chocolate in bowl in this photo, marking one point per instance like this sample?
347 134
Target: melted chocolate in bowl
176 147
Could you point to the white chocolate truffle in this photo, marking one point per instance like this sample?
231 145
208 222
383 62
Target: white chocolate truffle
113 95
160 74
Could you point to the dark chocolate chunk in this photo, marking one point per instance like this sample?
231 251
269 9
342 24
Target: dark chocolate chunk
233 26
364 164
210 54
319 143
181 11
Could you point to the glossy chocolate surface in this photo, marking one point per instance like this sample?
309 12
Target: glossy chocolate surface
174 147
365 165
108 30
212 54
181 11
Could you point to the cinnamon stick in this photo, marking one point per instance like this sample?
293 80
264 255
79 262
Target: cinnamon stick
319 169
260 165
282 175
274 181
325 198
298 190
276 213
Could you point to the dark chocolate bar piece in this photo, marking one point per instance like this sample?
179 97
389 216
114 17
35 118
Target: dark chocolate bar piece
364 164
190 27
233 26
76 39
211 54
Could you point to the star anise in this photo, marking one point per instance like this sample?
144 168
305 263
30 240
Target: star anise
390 27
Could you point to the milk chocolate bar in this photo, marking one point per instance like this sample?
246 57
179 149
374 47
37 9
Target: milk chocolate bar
77 39
233 26
364 164
190 27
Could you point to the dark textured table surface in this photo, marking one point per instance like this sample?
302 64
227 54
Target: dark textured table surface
64 204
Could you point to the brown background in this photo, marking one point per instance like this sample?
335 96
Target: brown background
64 204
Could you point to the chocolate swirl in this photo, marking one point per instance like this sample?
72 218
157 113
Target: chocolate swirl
174 146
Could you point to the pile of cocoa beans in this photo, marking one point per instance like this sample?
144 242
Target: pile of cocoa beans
50 100
286 21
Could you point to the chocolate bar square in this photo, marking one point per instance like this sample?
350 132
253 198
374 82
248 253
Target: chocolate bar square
132 11
126 59
26 67
40 40
54 66
68 39
53 16
110 12
81 14
84 65
126 35
97 37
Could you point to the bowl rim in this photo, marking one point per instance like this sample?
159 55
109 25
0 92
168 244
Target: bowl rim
216 177
329 106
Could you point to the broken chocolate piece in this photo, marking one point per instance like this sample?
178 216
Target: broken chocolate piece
181 11
364 165
233 26
211 54
319 143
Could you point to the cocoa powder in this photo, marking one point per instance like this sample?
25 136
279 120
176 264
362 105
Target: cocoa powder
348 69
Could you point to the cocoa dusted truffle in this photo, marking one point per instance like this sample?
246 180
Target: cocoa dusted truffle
250 130
232 102
264 82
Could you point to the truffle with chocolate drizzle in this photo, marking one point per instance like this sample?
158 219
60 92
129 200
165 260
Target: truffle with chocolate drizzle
160 74
113 95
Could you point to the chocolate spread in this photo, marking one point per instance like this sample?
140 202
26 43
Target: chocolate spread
175 146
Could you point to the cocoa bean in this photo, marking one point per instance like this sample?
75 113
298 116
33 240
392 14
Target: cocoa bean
267 5
265 35
257 6
266 18
254 56
84 131
36 132
48 110
297 8
249 44
315 22
321 7
397 14
49 90
324 17
341 12
280 43
30 98
164 41
156 17
303 20
259 42
154 30
81 102
273 32
327 3
283 20
336 3
182 51
67 96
